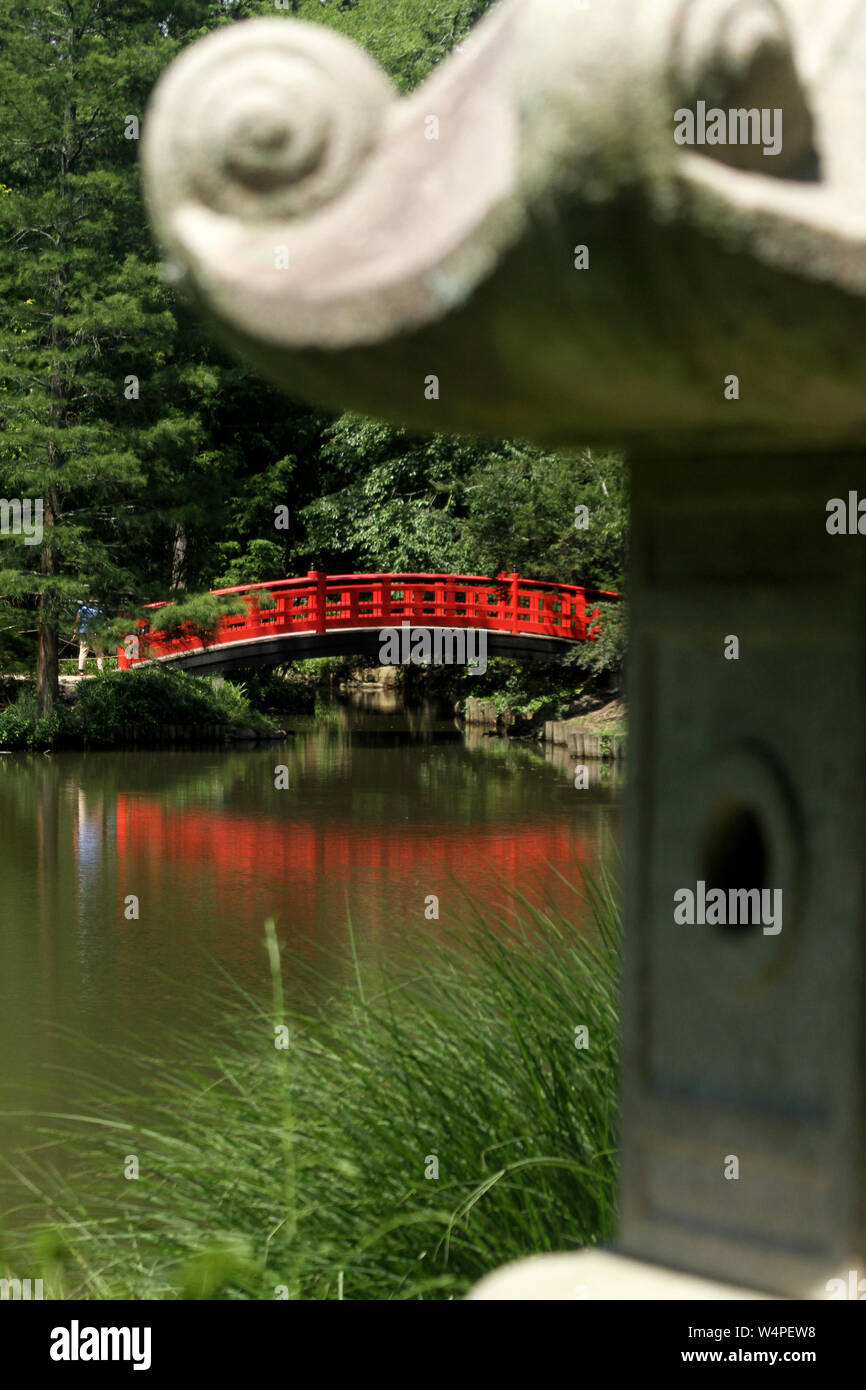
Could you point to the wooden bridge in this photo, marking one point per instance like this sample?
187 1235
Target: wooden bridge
345 614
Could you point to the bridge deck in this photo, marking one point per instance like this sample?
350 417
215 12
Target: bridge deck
322 615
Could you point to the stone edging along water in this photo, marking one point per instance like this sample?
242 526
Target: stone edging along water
582 742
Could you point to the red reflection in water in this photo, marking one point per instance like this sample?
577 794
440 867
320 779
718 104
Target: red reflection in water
302 871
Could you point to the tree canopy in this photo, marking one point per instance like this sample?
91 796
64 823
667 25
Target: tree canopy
164 466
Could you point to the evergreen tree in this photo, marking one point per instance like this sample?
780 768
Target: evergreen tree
89 392
408 38
163 465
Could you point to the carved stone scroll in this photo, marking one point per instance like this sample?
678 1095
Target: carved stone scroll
349 256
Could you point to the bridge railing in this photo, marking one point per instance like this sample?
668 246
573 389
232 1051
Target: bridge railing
321 603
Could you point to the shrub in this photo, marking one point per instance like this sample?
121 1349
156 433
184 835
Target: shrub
154 696
278 691
20 729
145 700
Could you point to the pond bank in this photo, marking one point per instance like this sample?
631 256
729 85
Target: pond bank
600 733
194 735
156 708
162 707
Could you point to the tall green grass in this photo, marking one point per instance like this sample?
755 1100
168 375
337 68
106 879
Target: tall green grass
300 1172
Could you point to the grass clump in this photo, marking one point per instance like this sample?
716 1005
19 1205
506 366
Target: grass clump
308 1171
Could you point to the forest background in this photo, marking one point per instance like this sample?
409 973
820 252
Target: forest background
162 462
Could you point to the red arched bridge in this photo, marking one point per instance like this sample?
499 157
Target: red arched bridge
345 614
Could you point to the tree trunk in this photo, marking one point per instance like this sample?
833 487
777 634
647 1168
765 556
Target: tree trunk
178 556
47 683
47 669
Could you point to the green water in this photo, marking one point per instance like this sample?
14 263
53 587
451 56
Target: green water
383 812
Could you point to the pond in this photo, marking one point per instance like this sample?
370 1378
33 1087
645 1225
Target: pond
134 885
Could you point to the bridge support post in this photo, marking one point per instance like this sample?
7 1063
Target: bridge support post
579 618
385 592
320 581
514 596
564 237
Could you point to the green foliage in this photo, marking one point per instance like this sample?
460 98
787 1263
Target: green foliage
388 502
407 37
304 1169
96 398
605 656
277 691
10 689
113 701
22 728
533 690
521 516
220 1265
174 492
197 614
450 505
153 696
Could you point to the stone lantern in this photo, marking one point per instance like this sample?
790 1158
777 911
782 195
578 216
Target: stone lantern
637 222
